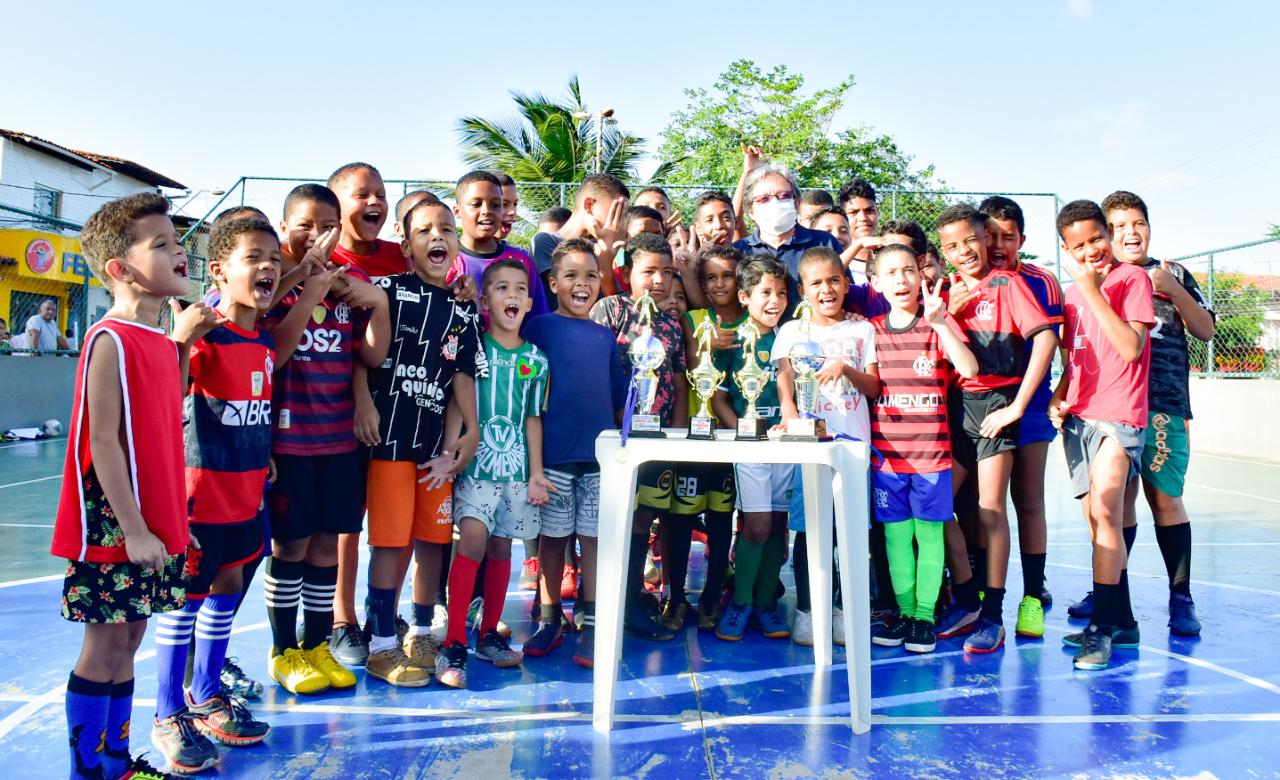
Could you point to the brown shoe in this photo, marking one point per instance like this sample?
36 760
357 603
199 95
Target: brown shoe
673 616
422 650
393 666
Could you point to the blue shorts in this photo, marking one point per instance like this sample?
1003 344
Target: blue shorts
1035 420
795 518
899 497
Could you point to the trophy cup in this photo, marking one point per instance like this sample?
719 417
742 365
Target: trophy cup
647 353
706 380
751 380
806 360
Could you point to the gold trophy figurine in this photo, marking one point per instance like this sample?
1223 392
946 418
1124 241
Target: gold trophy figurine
806 360
647 354
751 380
706 380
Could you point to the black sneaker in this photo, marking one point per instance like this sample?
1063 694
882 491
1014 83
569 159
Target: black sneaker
892 634
451 665
1082 609
493 647
349 645
1095 651
920 637
402 629
548 637
1121 638
1046 598
638 622
584 651
1182 616
141 769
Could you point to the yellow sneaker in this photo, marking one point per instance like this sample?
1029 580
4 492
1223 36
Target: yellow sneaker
1030 618
293 671
324 662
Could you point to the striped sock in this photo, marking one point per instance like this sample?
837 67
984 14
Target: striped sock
213 631
319 583
173 634
282 589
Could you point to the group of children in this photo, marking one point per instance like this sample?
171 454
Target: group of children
450 387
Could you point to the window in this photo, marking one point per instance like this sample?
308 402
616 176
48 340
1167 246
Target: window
47 202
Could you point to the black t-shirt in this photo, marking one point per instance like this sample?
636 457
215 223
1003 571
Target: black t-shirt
1170 365
433 337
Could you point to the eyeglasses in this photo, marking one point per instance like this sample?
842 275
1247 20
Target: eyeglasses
781 196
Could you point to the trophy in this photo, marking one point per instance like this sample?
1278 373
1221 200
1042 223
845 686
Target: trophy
706 380
806 360
751 380
647 353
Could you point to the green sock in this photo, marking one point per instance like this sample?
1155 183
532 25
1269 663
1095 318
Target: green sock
745 568
929 540
902 564
775 549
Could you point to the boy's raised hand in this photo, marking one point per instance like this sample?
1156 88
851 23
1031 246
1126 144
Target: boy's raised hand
935 311
960 295
611 232
673 222
1085 276
1163 281
464 288
724 339
751 157
318 284
540 490
321 252
193 322
686 257
359 294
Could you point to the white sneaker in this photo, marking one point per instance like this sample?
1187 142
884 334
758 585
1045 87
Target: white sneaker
802 629
837 626
439 622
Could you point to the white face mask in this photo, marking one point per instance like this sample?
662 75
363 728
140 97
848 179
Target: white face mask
775 217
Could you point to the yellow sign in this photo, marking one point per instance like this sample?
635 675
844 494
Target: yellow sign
47 256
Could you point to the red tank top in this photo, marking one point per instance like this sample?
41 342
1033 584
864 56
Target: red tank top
152 422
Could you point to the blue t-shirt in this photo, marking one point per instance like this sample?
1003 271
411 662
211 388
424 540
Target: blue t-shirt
789 254
587 386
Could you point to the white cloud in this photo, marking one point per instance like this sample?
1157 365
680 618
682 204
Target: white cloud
1080 9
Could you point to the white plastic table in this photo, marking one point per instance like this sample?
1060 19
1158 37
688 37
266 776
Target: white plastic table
834 471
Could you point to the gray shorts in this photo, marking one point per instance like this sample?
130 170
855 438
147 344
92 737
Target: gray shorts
503 507
575 506
1082 438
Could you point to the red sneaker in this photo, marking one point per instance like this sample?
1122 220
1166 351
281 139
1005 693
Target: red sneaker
528 574
569 583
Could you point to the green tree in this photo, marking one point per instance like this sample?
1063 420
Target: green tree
1274 232
770 109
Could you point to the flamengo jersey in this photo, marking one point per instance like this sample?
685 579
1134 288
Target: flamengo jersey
516 388
433 337
151 421
909 418
313 405
999 321
227 424
1044 286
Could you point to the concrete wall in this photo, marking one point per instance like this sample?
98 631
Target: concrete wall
34 389
1236 417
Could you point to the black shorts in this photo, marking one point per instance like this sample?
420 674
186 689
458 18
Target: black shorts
968 445
222 546
317 494
655 486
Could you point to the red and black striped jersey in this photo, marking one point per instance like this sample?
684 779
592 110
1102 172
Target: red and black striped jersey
909 418
999 320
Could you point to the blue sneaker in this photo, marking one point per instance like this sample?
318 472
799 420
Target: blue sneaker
988 637
771 623
956 621
1182 616
733 623
1082 609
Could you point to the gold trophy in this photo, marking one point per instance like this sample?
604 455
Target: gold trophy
647 353
751 380
706 380
806 360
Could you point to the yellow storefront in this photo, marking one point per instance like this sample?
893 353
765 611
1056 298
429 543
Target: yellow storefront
35 265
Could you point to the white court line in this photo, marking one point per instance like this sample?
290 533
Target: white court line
18 716
1234 493
1205 583
30 481
1237 460
26 442
25 525
1153 544
31 580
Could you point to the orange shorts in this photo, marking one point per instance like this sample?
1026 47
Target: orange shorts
401 510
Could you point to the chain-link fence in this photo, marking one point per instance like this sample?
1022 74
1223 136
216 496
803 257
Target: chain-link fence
47 295
1242 285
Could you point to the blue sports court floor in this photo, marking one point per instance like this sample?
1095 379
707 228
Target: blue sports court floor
700 707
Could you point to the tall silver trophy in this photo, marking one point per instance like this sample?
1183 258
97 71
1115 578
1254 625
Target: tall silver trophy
705 379
647 354
806 360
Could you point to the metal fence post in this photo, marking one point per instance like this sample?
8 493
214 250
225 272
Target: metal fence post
562 193
893 204
1213 362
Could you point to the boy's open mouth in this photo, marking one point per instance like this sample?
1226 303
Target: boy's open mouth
372 218
264 286
511 311
180 270
438 255
580 297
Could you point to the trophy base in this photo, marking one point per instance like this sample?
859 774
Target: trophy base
702 428
806 429
752 429
647 426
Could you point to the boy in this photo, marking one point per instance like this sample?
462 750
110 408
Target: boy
498 497
510 203
479 214
1100 405
652 273
1005 237
321 336
848 378
656 199
552 219
597 214
121 522
227 422
408 201
642 219
832 220
763 489
917 342
437 357
858 201
586 360
932 268
1179 310
813 202
999 316
714 223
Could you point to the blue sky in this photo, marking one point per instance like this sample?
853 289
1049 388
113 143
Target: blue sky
1174 101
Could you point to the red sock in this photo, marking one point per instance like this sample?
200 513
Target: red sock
496 575
462 581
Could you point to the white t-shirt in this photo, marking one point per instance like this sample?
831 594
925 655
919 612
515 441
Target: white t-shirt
48 330
854 343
